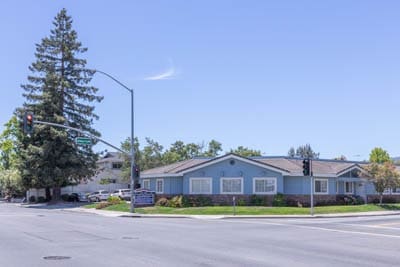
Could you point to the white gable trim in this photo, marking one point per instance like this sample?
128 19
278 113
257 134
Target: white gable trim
160 175
230 156
354 167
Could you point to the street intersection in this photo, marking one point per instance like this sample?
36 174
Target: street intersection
45 236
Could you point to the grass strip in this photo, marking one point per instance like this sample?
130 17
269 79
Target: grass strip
250 210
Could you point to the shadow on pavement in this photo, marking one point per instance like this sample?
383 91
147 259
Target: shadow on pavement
58 205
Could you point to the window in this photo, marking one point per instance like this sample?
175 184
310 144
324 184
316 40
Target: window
232 185
321 186
396 190
200 185
160 186
116 165
348 187
387 191
146 184
264 185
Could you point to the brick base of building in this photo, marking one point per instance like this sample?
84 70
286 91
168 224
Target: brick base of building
386 198
265 200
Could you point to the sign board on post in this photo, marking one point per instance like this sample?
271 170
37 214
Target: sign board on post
83 141
144 197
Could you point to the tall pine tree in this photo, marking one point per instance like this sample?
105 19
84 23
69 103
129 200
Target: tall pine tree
58 91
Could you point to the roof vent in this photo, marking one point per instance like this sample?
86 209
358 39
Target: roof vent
232 162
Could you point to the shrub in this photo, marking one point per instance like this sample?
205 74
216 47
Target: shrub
163 202
176 202
41 199
65 197
256 200
204 201
241 202
385 199
350 200
32 199
185 202
279 200
102 205
113 200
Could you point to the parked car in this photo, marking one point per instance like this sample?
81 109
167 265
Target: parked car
79 197
99 195
124 194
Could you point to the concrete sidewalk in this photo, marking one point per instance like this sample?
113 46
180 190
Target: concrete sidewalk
138 215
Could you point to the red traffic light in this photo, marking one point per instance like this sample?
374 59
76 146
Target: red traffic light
28 123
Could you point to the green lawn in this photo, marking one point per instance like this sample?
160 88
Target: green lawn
245 210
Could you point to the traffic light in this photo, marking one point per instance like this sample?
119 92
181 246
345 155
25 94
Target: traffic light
28 122
136 171
306 167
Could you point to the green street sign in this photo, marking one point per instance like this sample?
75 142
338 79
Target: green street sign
83 141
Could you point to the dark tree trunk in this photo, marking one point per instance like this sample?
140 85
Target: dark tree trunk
48 195
56 194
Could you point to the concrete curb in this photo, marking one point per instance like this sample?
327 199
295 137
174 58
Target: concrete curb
224 217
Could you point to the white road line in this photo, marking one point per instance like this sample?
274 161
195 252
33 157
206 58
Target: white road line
379 226
317 228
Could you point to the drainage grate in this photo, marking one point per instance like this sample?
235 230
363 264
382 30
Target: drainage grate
56 258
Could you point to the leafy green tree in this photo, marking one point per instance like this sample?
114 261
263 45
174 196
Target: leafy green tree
291 152
379 155
246 152
10 182
214 148
180 151
306 152
9 144
126 166
384 176
152 155
58 91
341 157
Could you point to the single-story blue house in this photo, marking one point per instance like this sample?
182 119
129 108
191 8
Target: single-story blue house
230 175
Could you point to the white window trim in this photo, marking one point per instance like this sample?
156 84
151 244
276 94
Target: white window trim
265 178
231 178
200 178
352 188
327 187
395 193
160 192
146 181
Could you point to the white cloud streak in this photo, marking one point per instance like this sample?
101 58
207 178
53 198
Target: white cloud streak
170 73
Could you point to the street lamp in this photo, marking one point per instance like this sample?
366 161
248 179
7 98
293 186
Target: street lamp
132 208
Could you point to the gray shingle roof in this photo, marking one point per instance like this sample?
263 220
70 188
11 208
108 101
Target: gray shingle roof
292 165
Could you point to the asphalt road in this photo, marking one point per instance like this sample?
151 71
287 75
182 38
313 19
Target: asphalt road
27 235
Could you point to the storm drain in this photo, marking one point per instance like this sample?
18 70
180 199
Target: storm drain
56 258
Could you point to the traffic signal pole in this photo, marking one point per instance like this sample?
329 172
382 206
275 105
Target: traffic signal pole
82 132
312 190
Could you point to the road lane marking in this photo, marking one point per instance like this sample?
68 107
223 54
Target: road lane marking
317 228
379 226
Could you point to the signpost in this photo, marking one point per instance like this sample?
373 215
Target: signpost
83 141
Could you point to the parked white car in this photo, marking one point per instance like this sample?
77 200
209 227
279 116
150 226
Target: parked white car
124 194
100 195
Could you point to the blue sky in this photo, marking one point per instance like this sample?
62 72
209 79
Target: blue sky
263 74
